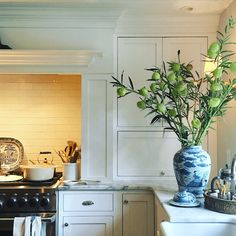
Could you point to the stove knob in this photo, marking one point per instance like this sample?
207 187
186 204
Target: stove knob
33 202
11 202
22 201
44 201
1 204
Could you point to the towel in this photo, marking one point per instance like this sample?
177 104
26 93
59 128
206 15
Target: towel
27 226
18 226
36 226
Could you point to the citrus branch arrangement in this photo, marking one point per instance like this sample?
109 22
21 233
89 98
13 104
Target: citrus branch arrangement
181 97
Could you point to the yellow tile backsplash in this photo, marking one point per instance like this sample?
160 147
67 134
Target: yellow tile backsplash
41 111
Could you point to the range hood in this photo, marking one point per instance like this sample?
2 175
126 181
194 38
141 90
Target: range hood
81 58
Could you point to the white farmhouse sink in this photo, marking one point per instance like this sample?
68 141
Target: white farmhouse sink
198 229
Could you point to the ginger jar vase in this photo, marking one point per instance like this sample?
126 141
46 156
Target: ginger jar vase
192 166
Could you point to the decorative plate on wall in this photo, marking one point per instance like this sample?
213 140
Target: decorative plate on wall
11 154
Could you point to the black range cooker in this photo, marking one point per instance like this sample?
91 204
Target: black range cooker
24 198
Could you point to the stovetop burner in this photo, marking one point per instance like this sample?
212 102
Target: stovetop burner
25 182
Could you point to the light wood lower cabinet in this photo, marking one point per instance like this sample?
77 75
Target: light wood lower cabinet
138 214
106 213
161 216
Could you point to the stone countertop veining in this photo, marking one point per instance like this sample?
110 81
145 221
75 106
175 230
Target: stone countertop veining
114 185
191 214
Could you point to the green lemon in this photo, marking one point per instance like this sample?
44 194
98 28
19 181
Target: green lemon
163 86
175 67
161 107
143 92
141 105
153 87
214 47
196 123
214 102
189 67
171 77
233 66
156 76
212 54
180 86
172 112
216 87
183 93
179 78
121 91
217 72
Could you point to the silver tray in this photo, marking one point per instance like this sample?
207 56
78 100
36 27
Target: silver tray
219 205
11 154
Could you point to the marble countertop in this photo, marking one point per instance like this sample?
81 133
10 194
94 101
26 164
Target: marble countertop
193 214
115 185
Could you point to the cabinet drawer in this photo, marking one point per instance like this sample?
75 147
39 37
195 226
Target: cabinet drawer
88 202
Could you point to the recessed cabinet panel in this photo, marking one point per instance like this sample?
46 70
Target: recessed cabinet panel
146 154
138 215
96 133
90 226
191 50
134 56
88 202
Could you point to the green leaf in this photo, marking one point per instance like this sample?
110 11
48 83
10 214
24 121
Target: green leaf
131 83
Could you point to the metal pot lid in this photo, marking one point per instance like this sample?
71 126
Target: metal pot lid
11 154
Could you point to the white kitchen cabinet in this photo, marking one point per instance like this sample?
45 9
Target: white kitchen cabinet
138 214
134 56
89 226
146 154
97 125
89 213
142 151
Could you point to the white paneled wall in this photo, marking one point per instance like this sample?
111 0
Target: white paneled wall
41 111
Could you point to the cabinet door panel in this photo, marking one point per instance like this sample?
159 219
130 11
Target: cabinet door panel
95 95
134 56
88 226
138 215
191 50
146 154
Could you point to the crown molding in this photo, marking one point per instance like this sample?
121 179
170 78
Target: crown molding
79 58
58 17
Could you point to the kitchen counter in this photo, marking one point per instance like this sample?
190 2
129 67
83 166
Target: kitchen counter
115 185
163 192
192 214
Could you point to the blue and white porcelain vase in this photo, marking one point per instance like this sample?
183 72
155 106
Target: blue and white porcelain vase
192 166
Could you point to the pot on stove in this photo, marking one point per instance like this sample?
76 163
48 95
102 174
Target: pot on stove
38 172
41 171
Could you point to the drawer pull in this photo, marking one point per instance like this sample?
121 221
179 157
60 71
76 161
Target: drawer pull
66 224
87 203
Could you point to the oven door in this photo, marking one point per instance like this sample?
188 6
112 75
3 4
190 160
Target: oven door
6 223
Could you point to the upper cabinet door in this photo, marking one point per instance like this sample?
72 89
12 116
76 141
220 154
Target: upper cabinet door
134 56
191 50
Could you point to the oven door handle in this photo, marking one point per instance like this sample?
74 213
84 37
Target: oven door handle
44 219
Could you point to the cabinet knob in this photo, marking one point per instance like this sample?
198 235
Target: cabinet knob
126 201
87 203
163 173
66 224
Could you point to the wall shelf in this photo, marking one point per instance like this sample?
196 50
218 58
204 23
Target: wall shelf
82 58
